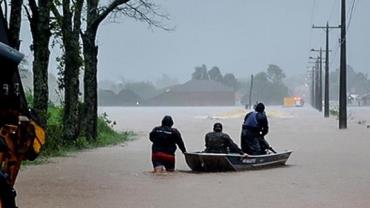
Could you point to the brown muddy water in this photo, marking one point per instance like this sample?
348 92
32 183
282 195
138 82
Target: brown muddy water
329 167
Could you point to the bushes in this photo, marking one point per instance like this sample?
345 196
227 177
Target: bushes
55 146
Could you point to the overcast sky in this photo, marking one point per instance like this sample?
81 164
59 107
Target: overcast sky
239 36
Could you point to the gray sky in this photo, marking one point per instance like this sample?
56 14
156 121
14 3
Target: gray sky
239 36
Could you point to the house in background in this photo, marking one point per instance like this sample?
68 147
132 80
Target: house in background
365 100
123 98
195 93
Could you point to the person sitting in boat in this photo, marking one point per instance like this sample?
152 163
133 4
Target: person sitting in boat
254 128
219 142
164 139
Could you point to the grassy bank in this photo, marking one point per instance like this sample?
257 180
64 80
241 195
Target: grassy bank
55 146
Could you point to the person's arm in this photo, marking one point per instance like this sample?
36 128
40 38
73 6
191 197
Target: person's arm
179 141
152 135
246 117
206 141
233 147
263 123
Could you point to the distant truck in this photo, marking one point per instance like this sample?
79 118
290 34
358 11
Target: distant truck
294 101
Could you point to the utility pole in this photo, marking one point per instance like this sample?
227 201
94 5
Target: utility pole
250 92
311 85
326 91
314 86
320 82
317 78
314 83
343 71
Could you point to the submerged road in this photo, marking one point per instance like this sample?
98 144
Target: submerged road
329 167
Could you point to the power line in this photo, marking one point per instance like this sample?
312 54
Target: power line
334 55
351 15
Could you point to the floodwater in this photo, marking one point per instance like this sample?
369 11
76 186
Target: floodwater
328 168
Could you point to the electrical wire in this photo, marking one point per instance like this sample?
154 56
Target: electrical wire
349 17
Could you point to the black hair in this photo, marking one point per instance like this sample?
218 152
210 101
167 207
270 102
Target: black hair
167 121
217 127
260 107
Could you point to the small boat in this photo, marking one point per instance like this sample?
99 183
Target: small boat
215 162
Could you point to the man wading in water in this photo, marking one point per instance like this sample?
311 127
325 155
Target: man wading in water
164 139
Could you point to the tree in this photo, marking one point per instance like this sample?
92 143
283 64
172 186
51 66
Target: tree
39 18
141 10
230 80
357 83
275 73
261 86
268 87
69 23
215 74
15 23
200 73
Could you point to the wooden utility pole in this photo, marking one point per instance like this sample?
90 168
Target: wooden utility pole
312 90
326 93
250 92
314 86
326 90
320 82
317 78
343 71
315 82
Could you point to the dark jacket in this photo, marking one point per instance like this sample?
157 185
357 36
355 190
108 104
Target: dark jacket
165 139
256 122
218 142
255 127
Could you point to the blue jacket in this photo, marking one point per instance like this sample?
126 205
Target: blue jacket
256 122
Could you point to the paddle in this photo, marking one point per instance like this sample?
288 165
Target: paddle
265 145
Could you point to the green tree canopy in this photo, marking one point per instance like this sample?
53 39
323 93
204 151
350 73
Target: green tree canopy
200 73
230 80
275 73
215 74
268 87
357 83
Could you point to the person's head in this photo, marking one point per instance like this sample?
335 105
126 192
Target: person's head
167 121
260 107
217 127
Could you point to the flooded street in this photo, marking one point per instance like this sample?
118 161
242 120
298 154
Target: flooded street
328 168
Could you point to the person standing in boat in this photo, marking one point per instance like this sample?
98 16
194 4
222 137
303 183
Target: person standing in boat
255 127
219 142
164 139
